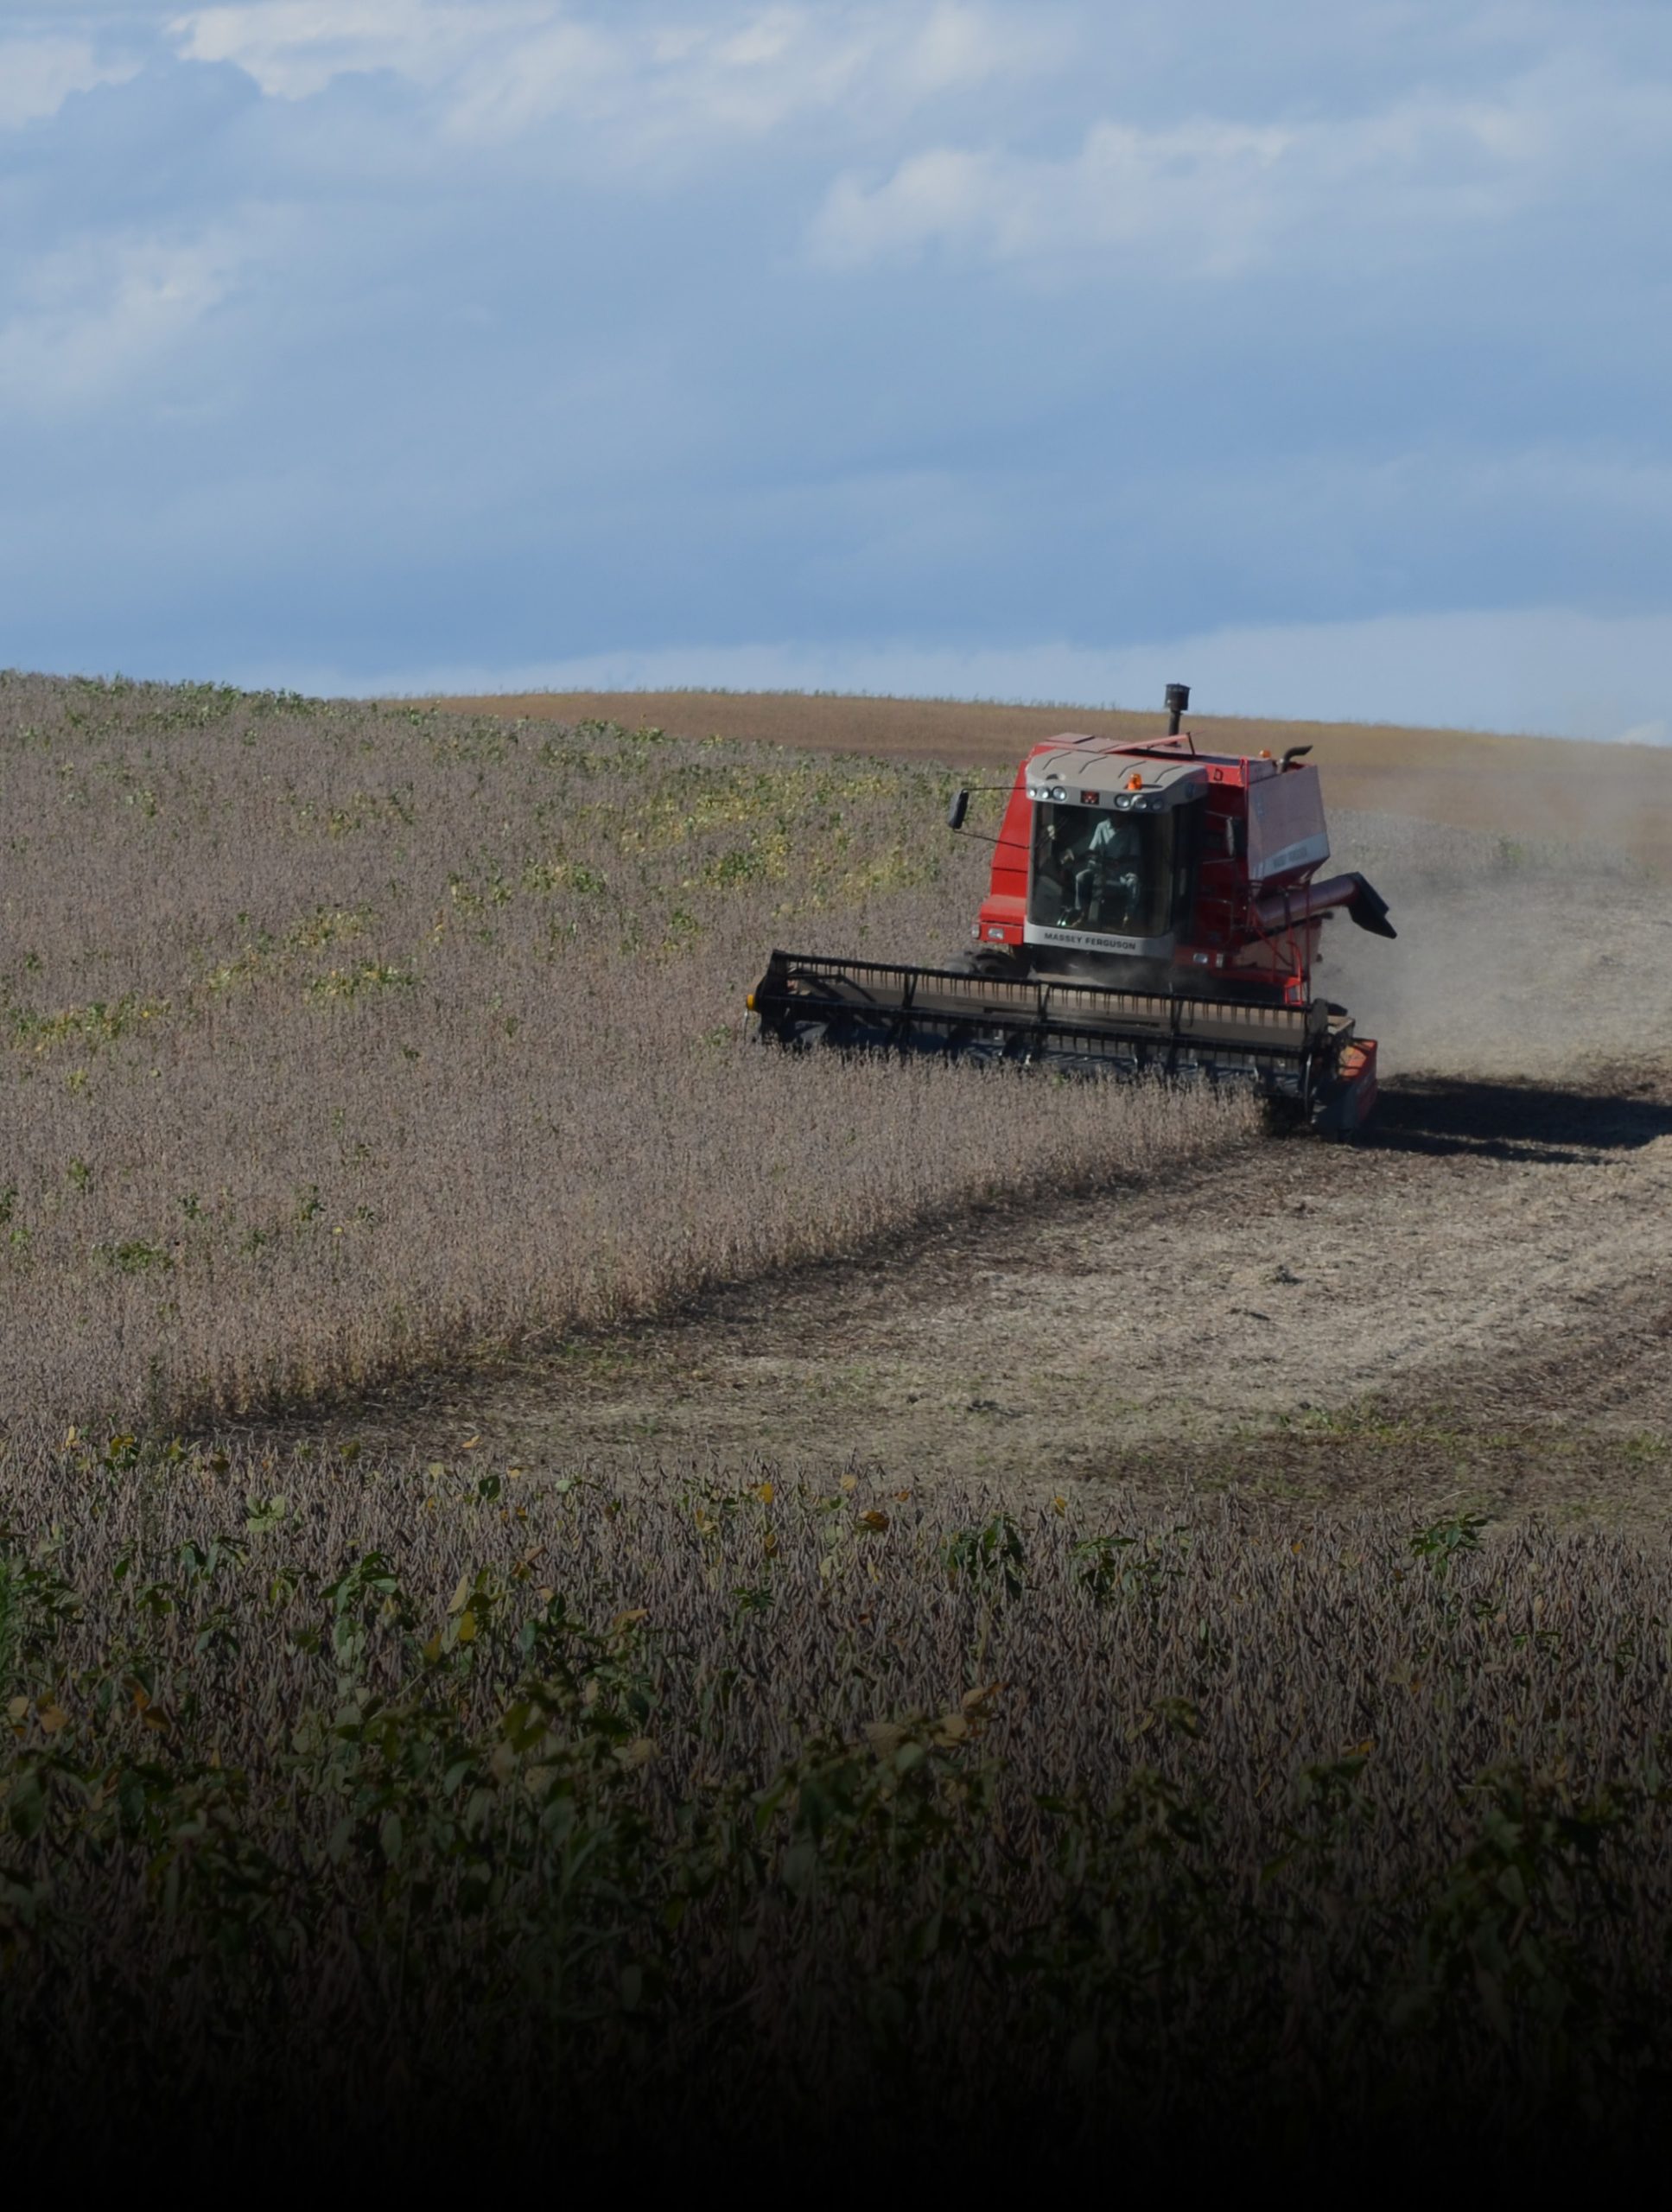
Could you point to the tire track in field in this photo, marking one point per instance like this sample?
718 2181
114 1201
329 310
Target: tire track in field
1478 1303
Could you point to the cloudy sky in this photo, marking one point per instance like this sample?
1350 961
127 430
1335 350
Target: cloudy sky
1316 354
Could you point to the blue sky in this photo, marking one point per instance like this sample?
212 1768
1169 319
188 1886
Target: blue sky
1318 355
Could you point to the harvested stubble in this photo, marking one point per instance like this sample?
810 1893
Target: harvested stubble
483 1797
344 1040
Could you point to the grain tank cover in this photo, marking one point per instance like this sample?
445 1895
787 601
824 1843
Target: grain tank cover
1287 828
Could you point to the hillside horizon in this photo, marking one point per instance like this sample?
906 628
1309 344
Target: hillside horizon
1519 786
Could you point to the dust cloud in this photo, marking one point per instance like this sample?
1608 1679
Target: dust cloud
1513 957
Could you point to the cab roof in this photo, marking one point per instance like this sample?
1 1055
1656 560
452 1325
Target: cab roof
1067 773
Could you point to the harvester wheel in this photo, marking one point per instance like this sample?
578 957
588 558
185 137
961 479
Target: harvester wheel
983 1052
1007 963
1285 1117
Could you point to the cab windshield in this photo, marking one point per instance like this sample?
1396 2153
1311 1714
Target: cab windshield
1095 869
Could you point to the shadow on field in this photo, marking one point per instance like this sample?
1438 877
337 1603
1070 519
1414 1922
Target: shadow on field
1620 1111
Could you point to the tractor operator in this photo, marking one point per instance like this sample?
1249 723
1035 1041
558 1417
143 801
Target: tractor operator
1105 871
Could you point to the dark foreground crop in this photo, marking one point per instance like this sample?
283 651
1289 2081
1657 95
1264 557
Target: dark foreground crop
349 1808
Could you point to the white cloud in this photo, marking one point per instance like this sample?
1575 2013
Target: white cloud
512 84
294 48
746 74
1199 186
1214 193
501 67
94 316
39 74
960 46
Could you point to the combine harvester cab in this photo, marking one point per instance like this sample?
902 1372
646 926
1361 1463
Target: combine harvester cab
1154 910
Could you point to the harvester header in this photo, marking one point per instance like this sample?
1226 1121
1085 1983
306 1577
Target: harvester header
1152 908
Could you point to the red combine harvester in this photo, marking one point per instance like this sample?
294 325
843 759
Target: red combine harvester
1153 910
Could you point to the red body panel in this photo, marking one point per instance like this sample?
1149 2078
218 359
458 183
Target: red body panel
1239 938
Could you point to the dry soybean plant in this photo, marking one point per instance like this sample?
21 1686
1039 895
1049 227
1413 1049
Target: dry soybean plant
374 1797
339 1039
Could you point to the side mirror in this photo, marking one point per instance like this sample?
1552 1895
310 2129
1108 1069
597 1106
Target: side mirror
957 809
